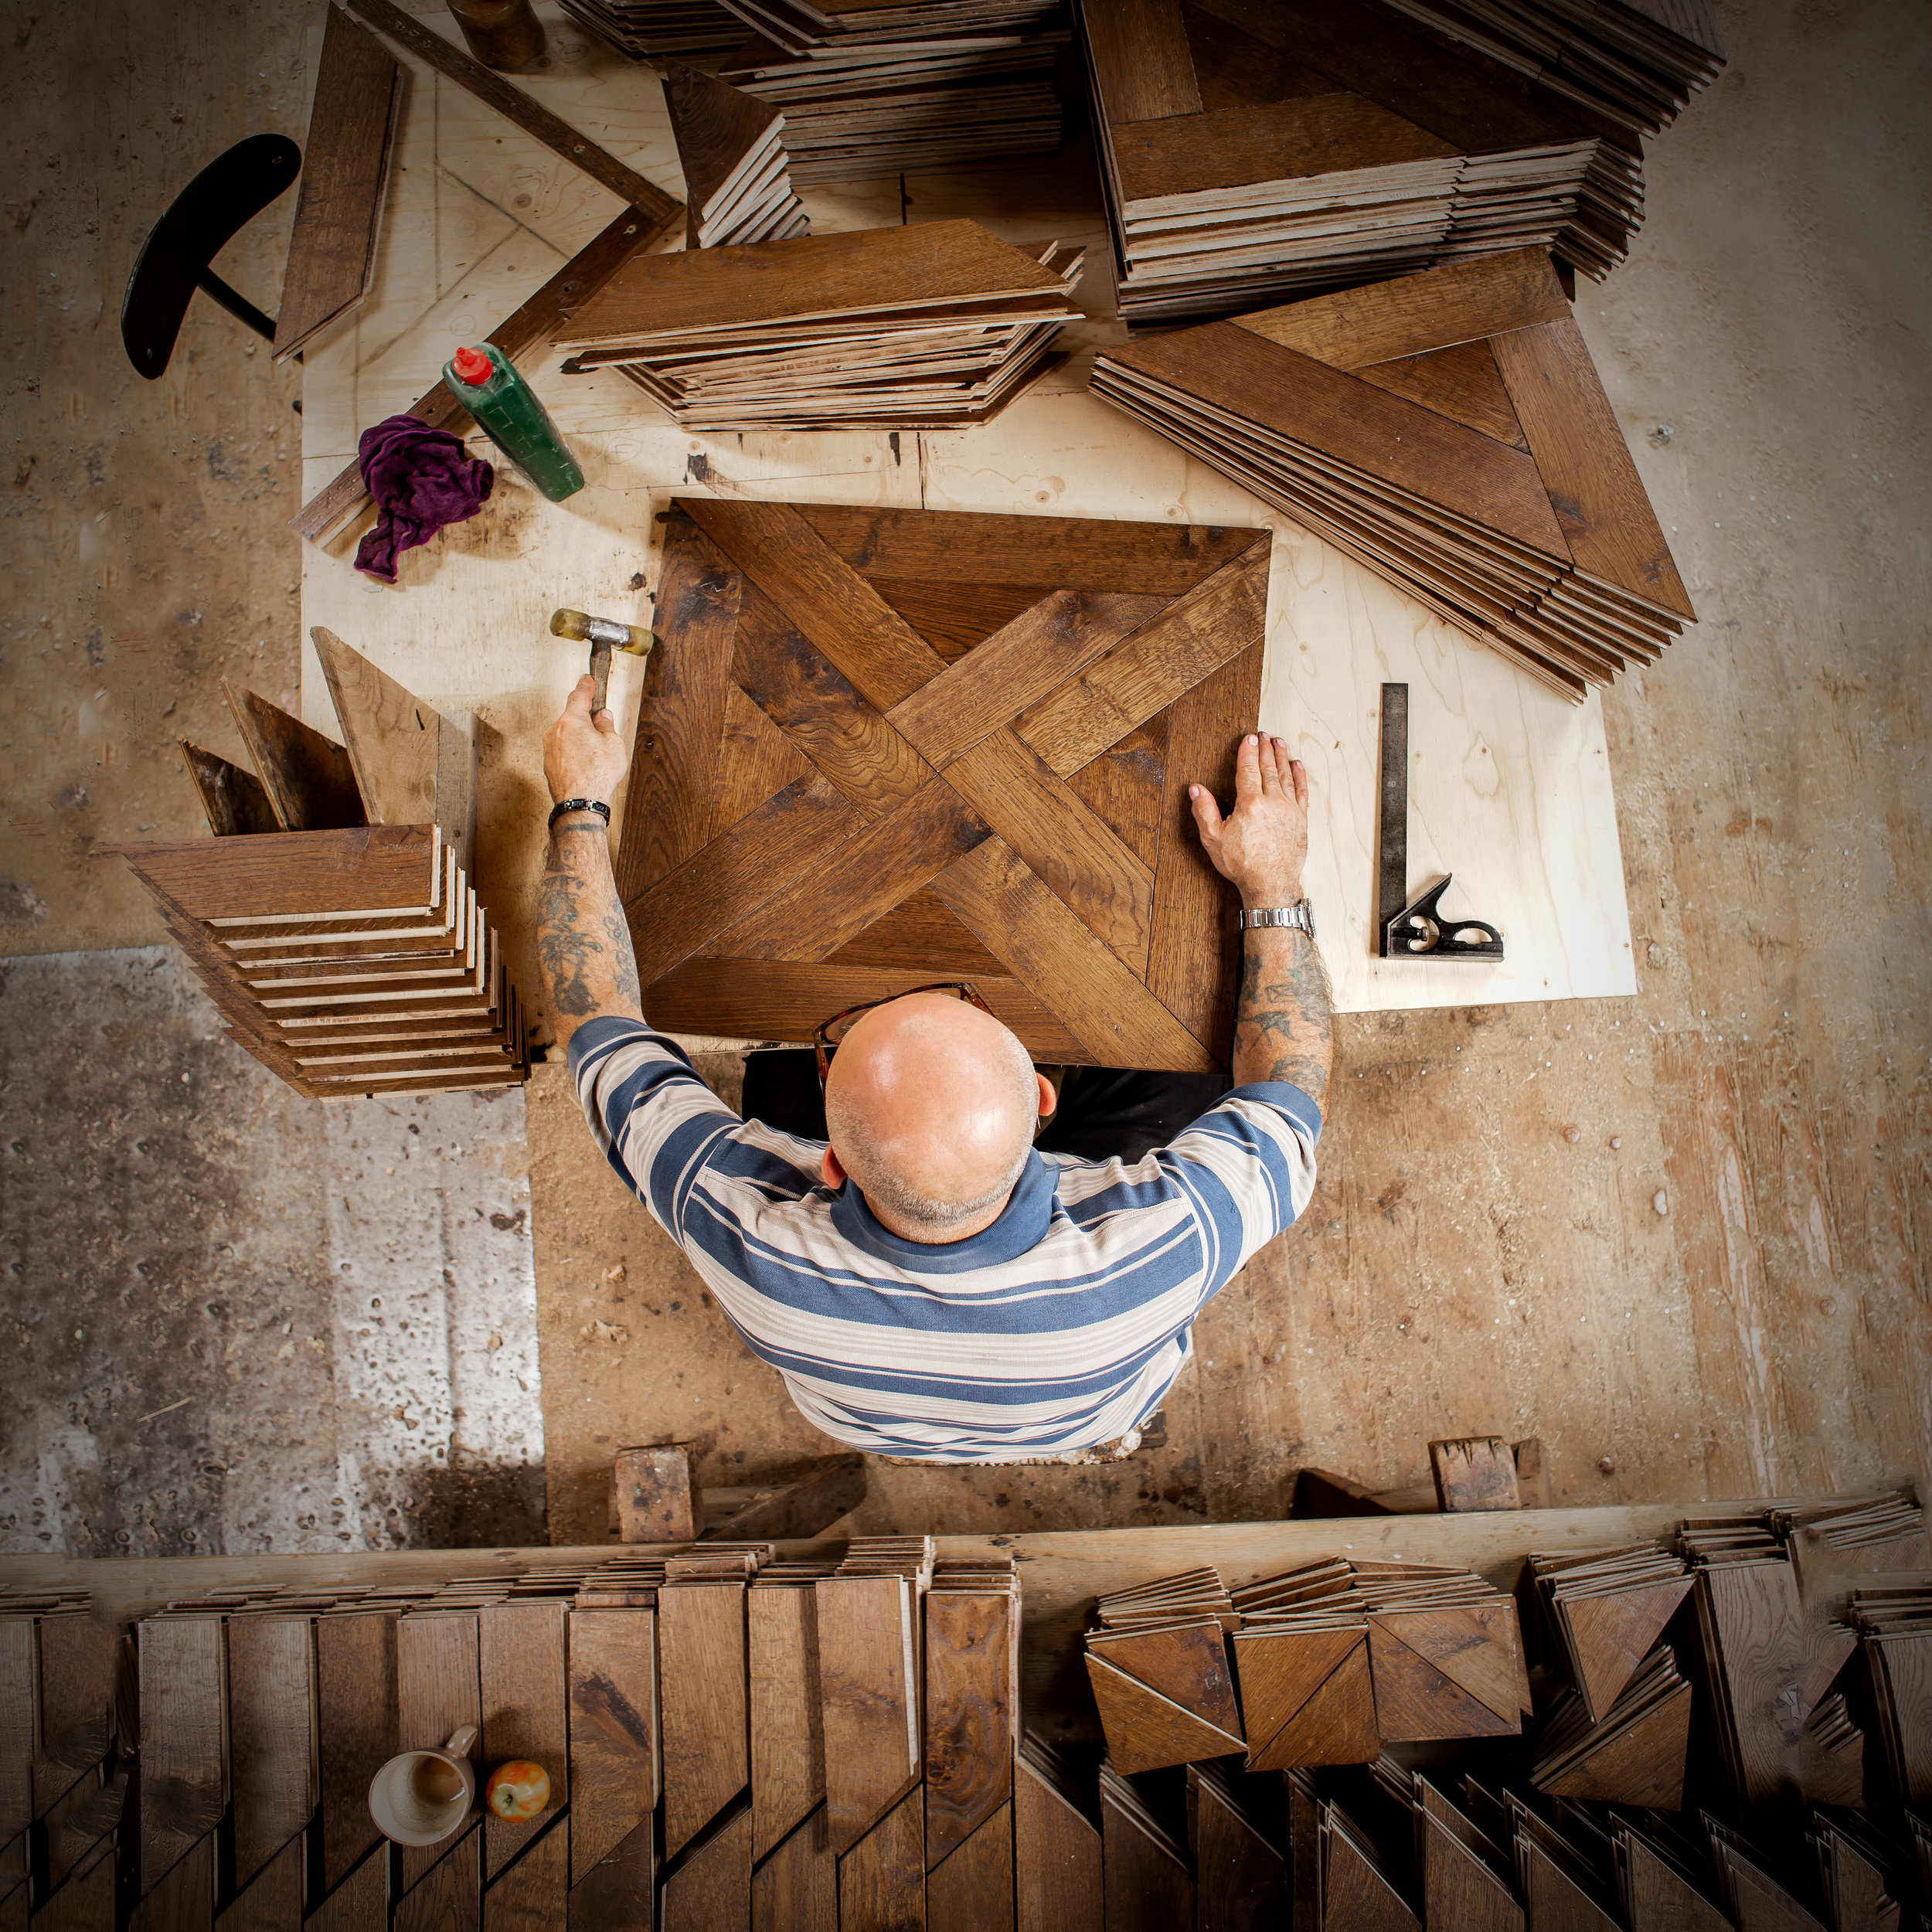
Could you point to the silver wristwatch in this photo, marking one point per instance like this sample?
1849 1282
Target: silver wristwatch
1301 916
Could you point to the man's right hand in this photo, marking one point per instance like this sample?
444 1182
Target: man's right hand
1259 848
584 756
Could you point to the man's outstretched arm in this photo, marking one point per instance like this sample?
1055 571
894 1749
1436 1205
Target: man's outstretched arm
1284 1024
583 941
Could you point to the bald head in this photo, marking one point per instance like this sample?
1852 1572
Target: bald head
931 1107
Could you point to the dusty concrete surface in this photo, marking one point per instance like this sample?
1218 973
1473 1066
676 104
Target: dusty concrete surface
1718 1285
240 1321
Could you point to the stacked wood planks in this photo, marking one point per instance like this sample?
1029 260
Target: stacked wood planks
732 149
331 919
1250 152
1449 430
929 326
649 29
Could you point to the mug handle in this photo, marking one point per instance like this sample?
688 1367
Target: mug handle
463 1741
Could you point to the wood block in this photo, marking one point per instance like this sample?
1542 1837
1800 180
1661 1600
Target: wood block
971 1697
972 1889
703 1701
1057 1859
360 1902
711 1891
870 1696
619 1894
357 1725
1533 1473
85 1904
1241 1879
183 1899
76 1686
273 1902
271 1735
881 1879
531 1896
439 1691
614 1731
79 1819
450 1898
1187 1664
309 780
526 1700
1475 1648
658 1500
1335 1722
788 1721
18 1701
1475 1472
184 1737
1321 1493
1146 1731
796 1888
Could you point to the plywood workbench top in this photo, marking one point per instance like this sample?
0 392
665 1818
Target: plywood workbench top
1510 786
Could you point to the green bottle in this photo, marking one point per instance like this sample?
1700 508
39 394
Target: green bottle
485 382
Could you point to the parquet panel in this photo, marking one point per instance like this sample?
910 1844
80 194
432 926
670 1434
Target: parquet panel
911 745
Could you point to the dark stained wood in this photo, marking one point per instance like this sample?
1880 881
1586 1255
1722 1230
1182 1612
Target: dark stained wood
182 1900
1148 1888
1124 784
360 1902
1474 1472
1334 1724
1752 1610
619 1894
1186 1663
76 1686
614 1731
681 718
1416 1699
755 760
439 1691
522 1657
271 1737
1057 1859
343 498
516 106
1462 383
711 1891
971 1701
1458 1887
345 162
1356 1896
1147 1732
881 1879
1098 999
274 1902
233 798
183 1738
1658 1898
1196 979
533 1895
1241 1879
787 1724
658 1500
868 1693
450 1900
821 713
799 1501
86 1903
952 618
796 1888
1554 1901
703 1704
358 1729
716 126
1610 1636
1139 49
310 782
972 1891
75 1823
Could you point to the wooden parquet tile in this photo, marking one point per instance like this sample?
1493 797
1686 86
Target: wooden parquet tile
882 747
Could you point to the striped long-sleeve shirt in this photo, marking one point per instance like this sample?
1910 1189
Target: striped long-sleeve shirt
1058 1327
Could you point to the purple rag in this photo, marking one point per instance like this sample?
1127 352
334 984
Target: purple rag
421 478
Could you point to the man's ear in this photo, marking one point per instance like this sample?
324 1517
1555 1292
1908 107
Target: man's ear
828 1166
1049 1100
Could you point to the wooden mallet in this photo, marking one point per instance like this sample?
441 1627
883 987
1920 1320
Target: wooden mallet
604 635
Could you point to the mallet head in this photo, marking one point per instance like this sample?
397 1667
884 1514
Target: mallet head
604 635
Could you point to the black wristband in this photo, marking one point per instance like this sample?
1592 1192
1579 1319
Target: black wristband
579 804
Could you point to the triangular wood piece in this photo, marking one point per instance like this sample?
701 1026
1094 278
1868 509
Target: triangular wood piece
731 147
1415 1702
1553 1898
1279 1671
1478 1647
1640 1763
756 761
1460 1888
1189 1666
1462 382
1356 1895
1337 1724
309 780
1241 1877
1147 1732
234 799
1609 1637
390 734
1658 1897
951 617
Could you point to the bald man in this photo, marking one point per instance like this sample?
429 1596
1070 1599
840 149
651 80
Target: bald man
944 1258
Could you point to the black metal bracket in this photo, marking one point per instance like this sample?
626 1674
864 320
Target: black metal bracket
200 222
1407 929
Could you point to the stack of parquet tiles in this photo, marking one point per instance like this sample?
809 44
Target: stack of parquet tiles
650 29
1449 431
929 326
1253 152
876 90
1640 63
332 919
732 150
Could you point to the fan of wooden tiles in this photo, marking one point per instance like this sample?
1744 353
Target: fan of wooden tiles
1604 1610
935 325
732 150
1250 152
1637 62
649 29
1634 1754
884 748
1158 1668
1895 1625
1449 431
805 26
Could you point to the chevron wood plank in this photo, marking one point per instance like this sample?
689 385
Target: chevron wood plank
310 782
619 1892
711 1891
80 1820
704 1706
439 1690
1460 1886
273 1902
1357 1892
533 1895
787 1724
881 1879
1148 1885
681 716
730 146
870 1695
1100 1000
971 1701
1656 1896
521 1652
1553 1900
357 1729
76 1680
449 1899
1141 60
1241 1877
973 1889
271 1736
614 1731
795 1887
838 730
1056 1848
182 1899
184 1740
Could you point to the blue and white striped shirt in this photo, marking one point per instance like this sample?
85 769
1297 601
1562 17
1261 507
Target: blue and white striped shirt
1058 1327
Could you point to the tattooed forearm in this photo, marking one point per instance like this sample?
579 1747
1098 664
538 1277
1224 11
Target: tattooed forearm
582 945
1284 1024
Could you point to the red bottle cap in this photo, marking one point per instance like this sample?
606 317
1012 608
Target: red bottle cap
472 366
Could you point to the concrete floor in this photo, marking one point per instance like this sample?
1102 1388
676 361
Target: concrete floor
1718 1285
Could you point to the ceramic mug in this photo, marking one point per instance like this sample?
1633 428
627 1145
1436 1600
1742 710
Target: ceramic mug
421 1797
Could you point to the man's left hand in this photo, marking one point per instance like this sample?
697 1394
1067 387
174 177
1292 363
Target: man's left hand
583 757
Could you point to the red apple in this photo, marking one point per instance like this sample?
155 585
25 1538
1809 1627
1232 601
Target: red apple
518 1790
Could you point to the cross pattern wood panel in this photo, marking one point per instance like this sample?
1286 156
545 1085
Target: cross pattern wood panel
881 747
